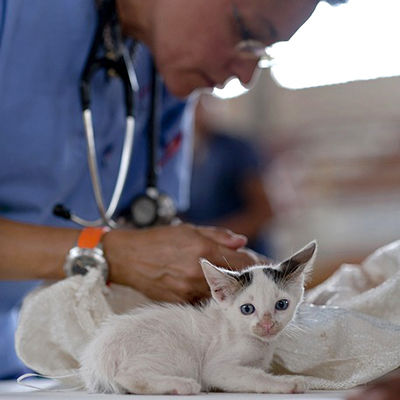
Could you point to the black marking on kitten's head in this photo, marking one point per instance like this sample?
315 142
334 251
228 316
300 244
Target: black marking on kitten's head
274 274
281 278
245 278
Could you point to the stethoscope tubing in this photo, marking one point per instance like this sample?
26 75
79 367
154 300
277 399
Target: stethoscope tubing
118 64
106 214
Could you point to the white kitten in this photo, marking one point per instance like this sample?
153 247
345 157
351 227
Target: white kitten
226 344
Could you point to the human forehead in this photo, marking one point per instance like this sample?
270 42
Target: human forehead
274 20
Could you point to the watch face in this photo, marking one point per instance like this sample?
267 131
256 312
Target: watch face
82 264
80 260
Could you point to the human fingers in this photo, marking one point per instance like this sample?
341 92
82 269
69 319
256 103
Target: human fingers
223 236
257 257
230 259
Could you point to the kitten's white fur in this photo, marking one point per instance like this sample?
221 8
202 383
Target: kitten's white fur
181 349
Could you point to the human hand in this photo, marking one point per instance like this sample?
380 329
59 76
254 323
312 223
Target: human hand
163 262
257 257
387 388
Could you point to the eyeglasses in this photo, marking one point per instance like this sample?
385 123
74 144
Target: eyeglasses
249 48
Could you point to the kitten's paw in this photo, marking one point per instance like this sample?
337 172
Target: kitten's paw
287 385
158 385
298 385
184 386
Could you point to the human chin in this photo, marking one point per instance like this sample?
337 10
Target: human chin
182 85
179 89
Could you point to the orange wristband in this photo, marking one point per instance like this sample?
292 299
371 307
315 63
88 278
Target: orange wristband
90 237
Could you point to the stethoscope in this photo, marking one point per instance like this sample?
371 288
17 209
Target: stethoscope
151 207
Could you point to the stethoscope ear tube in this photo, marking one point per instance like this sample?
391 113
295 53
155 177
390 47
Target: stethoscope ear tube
124 166
106 215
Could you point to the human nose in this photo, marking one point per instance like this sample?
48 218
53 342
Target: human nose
244 70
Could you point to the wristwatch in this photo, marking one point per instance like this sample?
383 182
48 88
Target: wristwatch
88 253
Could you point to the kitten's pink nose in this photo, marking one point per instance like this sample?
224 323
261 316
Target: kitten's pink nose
267 325
266 322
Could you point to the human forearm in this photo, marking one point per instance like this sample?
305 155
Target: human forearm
161 262
33 251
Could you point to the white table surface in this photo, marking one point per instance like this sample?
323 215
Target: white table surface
13 391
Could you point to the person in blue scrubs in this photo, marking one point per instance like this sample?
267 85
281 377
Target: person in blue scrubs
43 48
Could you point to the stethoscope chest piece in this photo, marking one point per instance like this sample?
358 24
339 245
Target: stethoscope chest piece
152 208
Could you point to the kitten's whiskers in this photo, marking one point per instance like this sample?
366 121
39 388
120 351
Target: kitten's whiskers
227 263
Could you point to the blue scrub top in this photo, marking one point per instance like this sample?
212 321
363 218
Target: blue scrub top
43 48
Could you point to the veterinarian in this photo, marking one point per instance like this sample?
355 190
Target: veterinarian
72 91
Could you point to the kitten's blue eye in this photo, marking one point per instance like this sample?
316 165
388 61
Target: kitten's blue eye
282 304
247 309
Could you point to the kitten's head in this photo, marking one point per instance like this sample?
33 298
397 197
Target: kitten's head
261 300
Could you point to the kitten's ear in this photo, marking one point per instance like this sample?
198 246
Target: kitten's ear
223 283
300 262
